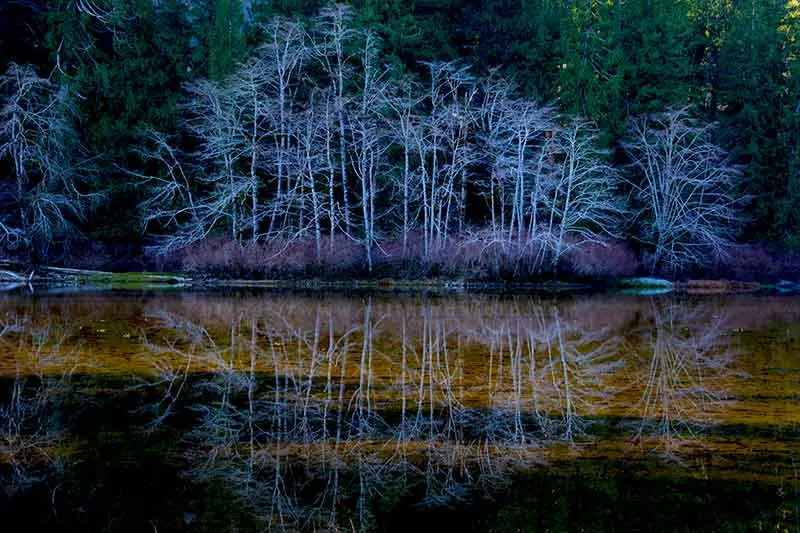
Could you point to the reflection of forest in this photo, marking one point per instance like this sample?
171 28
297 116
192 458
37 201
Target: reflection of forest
310 408
32 434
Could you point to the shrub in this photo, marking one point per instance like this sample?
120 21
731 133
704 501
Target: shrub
601 260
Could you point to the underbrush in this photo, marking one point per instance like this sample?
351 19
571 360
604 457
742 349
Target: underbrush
758 262
473 257
470 258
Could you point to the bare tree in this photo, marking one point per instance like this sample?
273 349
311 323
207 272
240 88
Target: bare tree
368 139
194 194
530 147
455 121
172 202
493 119
584 204
332 34
520 139
445 148
313 141
38 135
687 188
403 123
214 119
248 86
244 128
283 56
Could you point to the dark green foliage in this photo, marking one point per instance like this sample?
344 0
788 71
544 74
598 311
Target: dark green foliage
757 98
127 72
623 59
522 37
226 45
407 36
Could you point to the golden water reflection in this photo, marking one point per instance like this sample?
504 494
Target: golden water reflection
309 407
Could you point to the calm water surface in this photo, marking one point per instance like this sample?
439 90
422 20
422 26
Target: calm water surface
274 411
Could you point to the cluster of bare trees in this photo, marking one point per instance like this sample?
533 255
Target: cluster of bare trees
286 153
279 152
367 397
313 138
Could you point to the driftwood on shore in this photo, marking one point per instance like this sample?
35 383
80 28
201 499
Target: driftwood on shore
7 275
14 275
20 272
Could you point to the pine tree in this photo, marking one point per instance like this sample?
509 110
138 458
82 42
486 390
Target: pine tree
226 41
756 110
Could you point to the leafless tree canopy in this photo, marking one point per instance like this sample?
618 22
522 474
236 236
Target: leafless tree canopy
43 196
282 153
686 188
314 138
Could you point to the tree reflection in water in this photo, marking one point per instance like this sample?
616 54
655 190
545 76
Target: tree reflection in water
689 361
31 429
300 417
316 412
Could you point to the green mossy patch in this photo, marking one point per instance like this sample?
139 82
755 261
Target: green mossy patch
643 283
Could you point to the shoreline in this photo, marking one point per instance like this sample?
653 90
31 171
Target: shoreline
70 278
18 275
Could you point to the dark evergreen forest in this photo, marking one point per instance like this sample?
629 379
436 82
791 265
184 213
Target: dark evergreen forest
497 137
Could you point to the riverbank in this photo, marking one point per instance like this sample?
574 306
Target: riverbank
463 264
218 263
48 276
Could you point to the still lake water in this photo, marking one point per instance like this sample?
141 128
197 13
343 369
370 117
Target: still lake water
251 411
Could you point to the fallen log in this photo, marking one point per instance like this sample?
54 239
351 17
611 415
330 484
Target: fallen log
76 271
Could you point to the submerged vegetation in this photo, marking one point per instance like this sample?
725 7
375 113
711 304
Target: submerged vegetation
512 140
